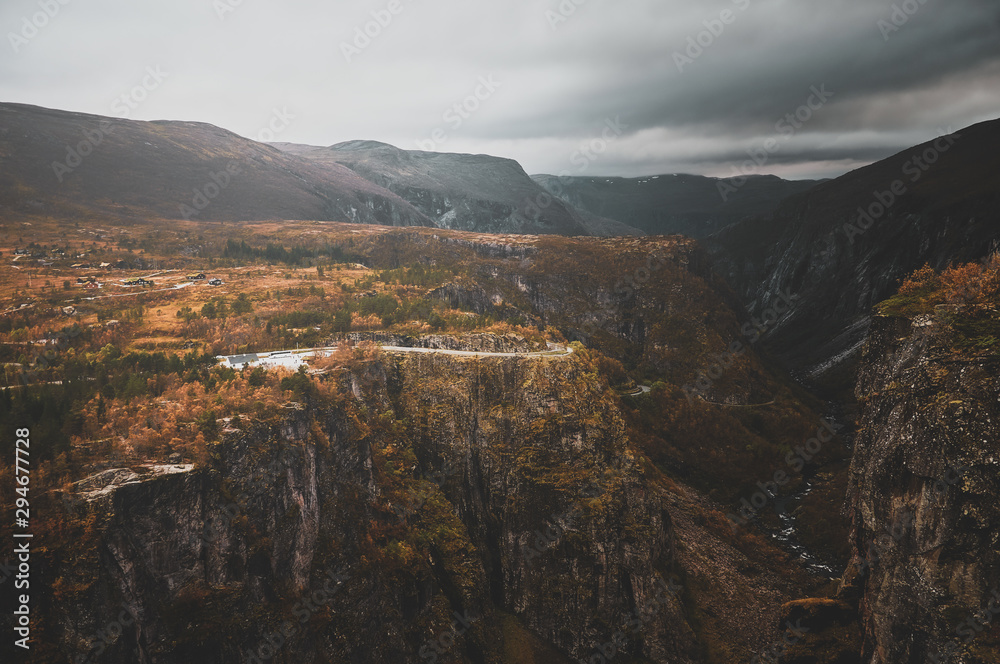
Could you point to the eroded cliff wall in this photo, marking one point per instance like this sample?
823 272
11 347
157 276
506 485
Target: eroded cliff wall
924 492
438 508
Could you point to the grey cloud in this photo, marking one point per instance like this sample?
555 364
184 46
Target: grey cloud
608 59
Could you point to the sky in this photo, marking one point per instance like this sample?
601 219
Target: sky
803 89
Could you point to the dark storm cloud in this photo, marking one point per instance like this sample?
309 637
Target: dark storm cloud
535 80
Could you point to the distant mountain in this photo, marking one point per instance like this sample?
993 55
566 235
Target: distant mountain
690 205
462 191
73 164
844 245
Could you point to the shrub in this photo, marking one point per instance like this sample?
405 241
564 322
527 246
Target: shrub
257 377
242 305
208 425
923 279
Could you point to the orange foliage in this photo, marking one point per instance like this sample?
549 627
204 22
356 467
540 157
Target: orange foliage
336 359
923 278
365 323
975 285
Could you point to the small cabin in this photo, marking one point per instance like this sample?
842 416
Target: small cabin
215 282
200 276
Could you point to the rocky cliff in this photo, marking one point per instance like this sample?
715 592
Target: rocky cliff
428 489
482 343
434 509
463 191
843 246
923 491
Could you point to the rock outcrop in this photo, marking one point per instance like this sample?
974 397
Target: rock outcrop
924 493
482 343
843 246
463 191
438 508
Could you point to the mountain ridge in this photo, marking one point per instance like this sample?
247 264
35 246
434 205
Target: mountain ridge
76 165
692 205
860 234
59 162
462 191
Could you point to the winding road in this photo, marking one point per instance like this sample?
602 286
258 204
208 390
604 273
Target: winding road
294 359
554 350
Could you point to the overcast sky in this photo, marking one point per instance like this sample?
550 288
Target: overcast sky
557 77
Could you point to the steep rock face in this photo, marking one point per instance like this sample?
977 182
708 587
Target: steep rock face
651 302
572 459
844 245
432 485
463 191
924 493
